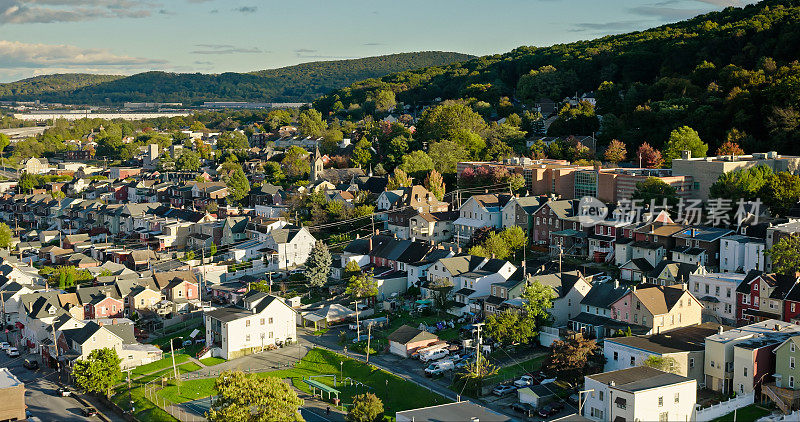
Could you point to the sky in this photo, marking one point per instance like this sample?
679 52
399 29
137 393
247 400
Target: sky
214 36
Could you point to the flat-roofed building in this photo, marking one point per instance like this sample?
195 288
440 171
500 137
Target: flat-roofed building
12 395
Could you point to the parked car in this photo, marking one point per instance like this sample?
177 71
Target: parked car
12 352
503 389
438 368
187 343
524 408
601 279
4 346
434 355
573 398
89 411
64 392
31 364
546 411
524 381
557 406
363 337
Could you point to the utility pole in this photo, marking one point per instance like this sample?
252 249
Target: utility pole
203 281
55 345
559 257
358 325
369 337
172 353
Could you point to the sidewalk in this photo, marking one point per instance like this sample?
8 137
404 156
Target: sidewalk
319 408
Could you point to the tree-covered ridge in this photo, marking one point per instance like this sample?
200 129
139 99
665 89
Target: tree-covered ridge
303 82
46 84
736 68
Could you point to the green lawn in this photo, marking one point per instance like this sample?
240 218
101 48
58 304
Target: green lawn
146 411
402 395
212 361
512 370
182 333
748 413
166 362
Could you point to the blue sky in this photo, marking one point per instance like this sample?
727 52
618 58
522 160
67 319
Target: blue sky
212 36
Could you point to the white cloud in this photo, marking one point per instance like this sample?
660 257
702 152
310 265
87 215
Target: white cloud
48 11
19 55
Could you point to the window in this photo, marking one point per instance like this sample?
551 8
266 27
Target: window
707 286
270 320
638 305
601 396
745 371
621 403
677 397
791 347
791 382
691 362
792 307
247 323
696 287
616 356
712 363
644 320
633 361
270 334
663 417
791 362
716 291
597 413
728 292
660 401
247 338
636 318
262 321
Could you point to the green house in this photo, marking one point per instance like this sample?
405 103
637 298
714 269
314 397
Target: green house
787 364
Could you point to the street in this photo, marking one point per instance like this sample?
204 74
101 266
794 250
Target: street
41 393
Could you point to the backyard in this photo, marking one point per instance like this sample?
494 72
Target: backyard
397 394
748 413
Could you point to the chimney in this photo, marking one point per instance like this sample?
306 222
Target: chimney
616 284
719 330
777 327
683 286
633 289
686 154
100 323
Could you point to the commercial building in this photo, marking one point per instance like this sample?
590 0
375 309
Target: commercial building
705 171
614 185
12 395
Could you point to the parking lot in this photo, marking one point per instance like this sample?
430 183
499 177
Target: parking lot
41 392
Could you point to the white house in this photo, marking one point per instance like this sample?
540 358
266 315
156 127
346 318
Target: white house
291 245
569 288
639 394
479 211
257 321
470 276
741 254
717 293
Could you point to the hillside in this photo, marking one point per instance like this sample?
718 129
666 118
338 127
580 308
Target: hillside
730 69
303 82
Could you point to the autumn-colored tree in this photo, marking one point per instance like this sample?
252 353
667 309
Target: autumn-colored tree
399 179
730 148
649 157
616 152
573 358
435 184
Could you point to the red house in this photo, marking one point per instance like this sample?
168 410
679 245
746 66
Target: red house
763 296
791 305
103 307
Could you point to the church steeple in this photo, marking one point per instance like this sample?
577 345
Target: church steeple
317 165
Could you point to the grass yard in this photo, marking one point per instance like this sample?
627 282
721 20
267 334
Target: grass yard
161 341
748 413
146 411
402 395
166 362
212 361
510 371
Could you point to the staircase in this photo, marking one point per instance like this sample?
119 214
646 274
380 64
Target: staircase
202 352
770 390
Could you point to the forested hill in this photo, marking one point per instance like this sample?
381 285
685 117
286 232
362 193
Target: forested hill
303 82
736 68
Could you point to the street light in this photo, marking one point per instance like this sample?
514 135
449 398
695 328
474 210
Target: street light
341 371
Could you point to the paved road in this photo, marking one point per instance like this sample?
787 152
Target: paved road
41 394
23 132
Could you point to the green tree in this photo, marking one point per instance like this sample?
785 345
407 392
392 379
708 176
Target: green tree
4 142
295 162
362 153
399 179
446 155
351 269
27 182
5 236
310 123
785 254
361 286
417 163
278 118
331 139
655 189
741 184
238 185
250 398
366 407
510 327
440 294
539 299
682 139
99 372
233 140
781 192
616 152
447 120
318 265
212 250
166 162
434 183
385 100
663 363
516 182
273 173
188 161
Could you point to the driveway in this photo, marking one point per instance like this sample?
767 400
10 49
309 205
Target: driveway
41 392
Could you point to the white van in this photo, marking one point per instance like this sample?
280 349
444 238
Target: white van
439 367
433 355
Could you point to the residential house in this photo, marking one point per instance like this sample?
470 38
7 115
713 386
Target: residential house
258 320
501 294
686 345
100 302
457 411
290 247
762 296
774 235
78 343
520 212
667 273
704 238
433 227
569 289
717 293
640 393
741 254
597 319
785 391
659 308
479 211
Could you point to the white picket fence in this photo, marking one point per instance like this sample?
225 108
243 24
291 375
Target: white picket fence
723 408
